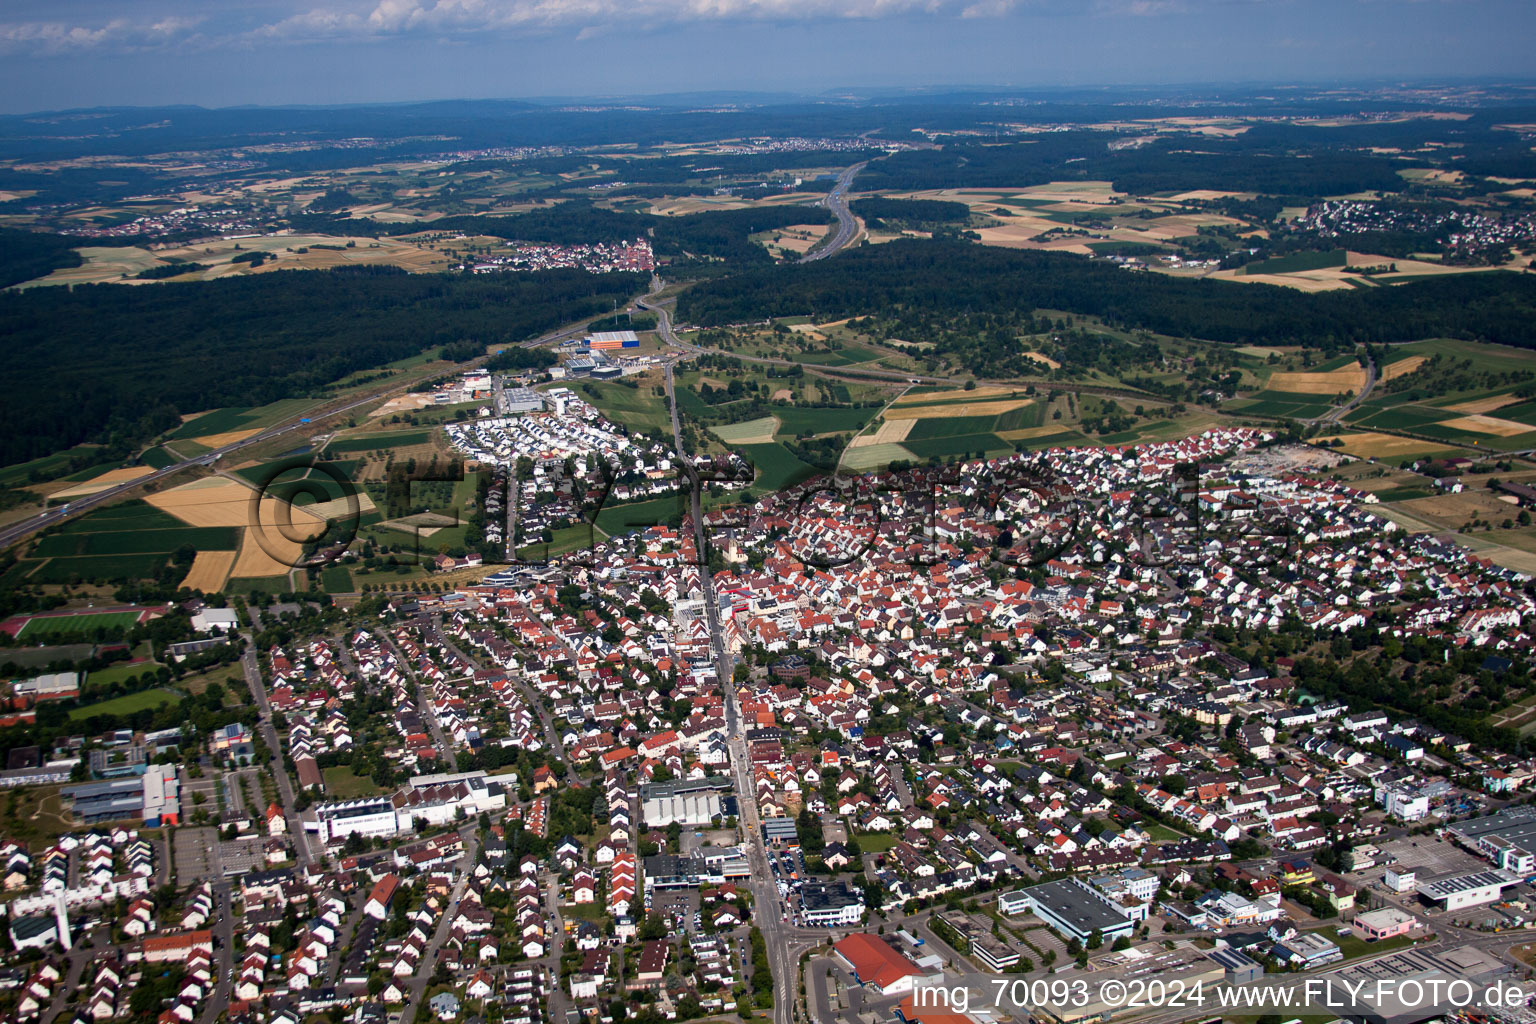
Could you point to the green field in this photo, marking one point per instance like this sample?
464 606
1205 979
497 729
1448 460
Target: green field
617 519
796 420
127 704
132 540
137 542
848 355
108 568
1403 417
341 784
777 467
566 539
1031 415
638 408
244 585
46 468
1297 262
950 426
960 444
119 673
379 442
220 421
75 626
335 579
158 458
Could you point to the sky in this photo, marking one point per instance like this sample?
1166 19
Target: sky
63 54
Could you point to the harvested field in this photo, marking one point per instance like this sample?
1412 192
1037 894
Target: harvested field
228 437
111 478
423 523
890 432
1403 367
1047 360
1449 511
872 456
1346 378
1480 405
758 431
409 403
1368 444
1025 433
785 394
213 501
210 570
929 397
925 412
275 547
337 508
1479 424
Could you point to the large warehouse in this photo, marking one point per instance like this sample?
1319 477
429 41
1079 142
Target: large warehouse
1507 838
1457 892
686 801
1077 910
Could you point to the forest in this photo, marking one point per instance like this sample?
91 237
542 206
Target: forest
956 277
25 255
118 365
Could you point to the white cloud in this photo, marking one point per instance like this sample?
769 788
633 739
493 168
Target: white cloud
56 37
456 17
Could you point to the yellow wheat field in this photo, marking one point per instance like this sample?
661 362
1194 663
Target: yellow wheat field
1346 378
111 478
210 570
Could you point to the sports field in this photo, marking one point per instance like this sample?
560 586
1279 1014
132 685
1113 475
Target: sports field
70 627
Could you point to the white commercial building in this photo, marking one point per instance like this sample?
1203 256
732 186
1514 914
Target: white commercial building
1458 892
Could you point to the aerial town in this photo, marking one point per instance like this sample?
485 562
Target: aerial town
1063 717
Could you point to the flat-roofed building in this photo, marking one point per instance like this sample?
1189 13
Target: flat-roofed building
1386 923
1456 892
1077 910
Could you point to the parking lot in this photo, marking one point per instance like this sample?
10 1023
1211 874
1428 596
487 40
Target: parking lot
677 907
241 856
196 854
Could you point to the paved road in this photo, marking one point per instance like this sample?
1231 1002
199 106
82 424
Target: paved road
785 943
285 788
847 224
1365 392
418 985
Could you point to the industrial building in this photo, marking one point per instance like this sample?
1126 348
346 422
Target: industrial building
515 401
1507 838
877 965
153 797
1307 950
371 816
604 341
685 801
1077 910
1457 892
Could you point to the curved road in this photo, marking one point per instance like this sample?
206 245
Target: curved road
847 224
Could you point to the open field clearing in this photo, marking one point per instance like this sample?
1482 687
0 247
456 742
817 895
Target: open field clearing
210 570
274 548
796 239
1451 511
1039 358
212 501
111 478
1368 444
873 456
214 259
1480 424
409 403
1403 367
1483 405
923 412
889 432
1333 382
703 204
955 395
758 431
227 437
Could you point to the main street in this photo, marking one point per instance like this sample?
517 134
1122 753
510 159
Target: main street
785 943
285 789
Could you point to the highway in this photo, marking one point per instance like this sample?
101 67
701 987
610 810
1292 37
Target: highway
1370 382
847 224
